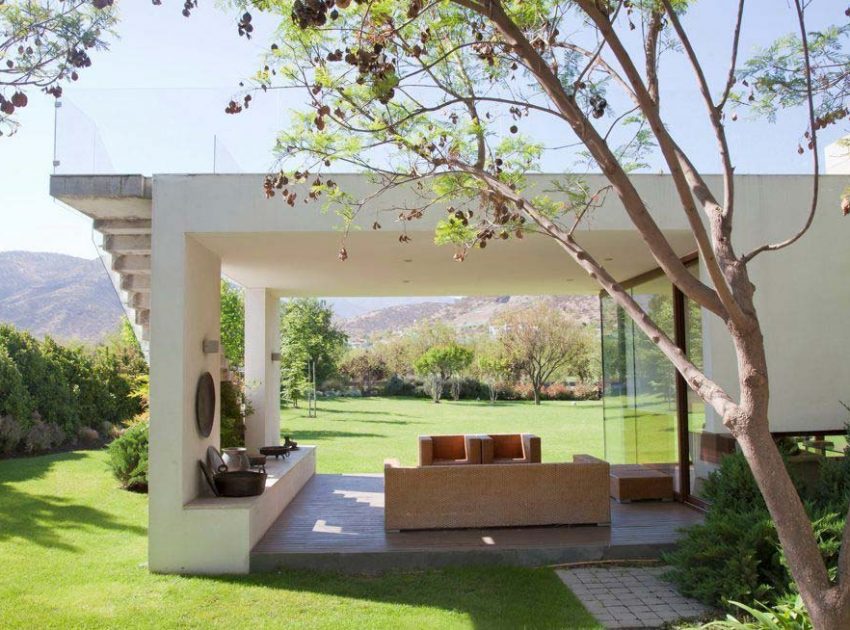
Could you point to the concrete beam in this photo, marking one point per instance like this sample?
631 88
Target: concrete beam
123 226
143 316
132 263
139 300
137 283
127 244
113 186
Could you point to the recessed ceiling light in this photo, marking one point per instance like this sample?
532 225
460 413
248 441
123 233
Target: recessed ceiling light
570 279
608 259
408 260
406 281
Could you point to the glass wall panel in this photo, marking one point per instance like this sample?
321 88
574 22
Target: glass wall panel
655 383
618 383
639 384
707 445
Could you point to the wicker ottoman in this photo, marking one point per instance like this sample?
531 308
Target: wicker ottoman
639 483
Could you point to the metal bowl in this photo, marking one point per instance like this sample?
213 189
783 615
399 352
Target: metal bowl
240 483
275 451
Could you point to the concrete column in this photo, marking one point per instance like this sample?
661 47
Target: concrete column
186 279
262 370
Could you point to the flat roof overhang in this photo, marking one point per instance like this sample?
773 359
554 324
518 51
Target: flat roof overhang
294 251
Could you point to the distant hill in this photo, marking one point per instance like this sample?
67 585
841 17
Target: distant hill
468 314
58 295
72 298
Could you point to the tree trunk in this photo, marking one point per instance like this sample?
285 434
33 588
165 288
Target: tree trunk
536 389
828 606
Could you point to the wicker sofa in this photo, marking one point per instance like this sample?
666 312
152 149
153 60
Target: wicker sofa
497 495
446 450
510 448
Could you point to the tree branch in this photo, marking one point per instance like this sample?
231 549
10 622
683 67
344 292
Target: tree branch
810 101
652 235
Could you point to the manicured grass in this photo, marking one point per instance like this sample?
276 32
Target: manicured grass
357 434
73 550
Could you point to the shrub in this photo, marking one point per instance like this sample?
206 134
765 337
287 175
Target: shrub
64 388
557 391
587 391
15 400
735 555
473 389
88 437
42 436
232 421
128 457
11 434
398 386
43 375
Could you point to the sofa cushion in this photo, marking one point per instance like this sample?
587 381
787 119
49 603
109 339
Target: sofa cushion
507 447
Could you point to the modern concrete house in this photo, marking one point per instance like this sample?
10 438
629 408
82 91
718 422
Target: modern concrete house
171 237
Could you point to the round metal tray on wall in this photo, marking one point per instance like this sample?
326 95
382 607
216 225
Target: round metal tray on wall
205 404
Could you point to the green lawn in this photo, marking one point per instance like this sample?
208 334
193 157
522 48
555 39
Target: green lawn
357 434
73 550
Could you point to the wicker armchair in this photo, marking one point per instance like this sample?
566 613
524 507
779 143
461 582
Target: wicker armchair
444 450
510 448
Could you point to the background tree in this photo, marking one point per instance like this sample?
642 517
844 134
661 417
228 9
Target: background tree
439 364
45 43
233 324
541 342
308 333
492 366
365 368
414 93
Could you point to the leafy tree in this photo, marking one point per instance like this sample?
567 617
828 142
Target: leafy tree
233 324
364 367
432 96
439 364
541 342
15 400
45 43
492 365
43 377
308 333
400 352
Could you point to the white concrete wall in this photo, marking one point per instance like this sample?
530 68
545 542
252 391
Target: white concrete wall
803 299
262 373
186 280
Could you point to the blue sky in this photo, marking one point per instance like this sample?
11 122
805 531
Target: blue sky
156 100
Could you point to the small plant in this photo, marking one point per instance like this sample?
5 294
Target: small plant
128 457
783 616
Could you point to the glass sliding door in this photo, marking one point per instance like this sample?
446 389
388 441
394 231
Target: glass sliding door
651 417
640 410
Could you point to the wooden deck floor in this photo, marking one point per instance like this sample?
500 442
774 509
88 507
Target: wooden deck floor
337 522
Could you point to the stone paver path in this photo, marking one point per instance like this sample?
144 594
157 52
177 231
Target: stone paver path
629 597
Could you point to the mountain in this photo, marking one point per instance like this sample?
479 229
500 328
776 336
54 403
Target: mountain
73 298
468 314
347 308
57 295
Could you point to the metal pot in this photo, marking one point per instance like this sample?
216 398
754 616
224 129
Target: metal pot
240 483
236 458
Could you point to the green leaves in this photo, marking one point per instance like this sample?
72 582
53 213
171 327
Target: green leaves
308 333
46 43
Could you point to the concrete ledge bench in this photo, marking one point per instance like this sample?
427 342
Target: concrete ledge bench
640 483
228 528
